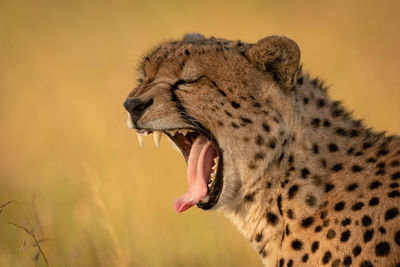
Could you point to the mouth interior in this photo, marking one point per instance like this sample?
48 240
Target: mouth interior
202 159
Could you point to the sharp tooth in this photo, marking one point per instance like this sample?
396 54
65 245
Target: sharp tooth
129 121
157 137
216 160
174 146
184 132
140 138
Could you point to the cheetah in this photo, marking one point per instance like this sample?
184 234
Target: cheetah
264 144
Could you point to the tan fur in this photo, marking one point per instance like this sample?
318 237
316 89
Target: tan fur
297 137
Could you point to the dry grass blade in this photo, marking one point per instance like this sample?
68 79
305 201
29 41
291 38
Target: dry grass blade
34 239
4 205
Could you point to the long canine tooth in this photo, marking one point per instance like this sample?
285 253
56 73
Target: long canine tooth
129 121
157 137
140 138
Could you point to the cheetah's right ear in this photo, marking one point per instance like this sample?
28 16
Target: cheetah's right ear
279 56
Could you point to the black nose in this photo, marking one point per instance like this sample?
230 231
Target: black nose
136 107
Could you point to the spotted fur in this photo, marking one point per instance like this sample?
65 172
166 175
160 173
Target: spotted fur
305 183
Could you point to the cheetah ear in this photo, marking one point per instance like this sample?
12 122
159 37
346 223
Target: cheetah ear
279 56
193 36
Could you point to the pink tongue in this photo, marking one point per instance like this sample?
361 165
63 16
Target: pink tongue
199 169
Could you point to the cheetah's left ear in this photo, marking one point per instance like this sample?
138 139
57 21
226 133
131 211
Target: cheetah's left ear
279 56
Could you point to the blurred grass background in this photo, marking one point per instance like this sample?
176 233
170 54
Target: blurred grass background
77 173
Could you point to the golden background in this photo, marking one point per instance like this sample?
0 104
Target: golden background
77 175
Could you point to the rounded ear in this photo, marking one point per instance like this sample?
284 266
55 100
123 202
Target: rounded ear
279 56
193 37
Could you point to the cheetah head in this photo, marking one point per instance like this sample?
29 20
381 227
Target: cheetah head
209 97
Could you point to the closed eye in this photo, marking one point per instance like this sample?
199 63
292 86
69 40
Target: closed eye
180 82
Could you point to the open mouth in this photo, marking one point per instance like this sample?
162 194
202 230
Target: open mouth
204 165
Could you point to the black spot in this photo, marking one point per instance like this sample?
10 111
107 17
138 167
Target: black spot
266 127
304 173
352 187
311 200
345 236
292 191
272 144
259 237
321 102
346 221
382 151
318 229
395 163
328 187
327 123
356 168
234 125
394 194
315 148
290 214
394 185
330 234
337 167
341 131
375 185
222 92
337 112
304 258
327 257
366 145
187 52
290 159
368 235
323 163
366 220
305 100
370 160
249 197
357 206
382 230
259 155
354 133
272 218
380 172
397 238
246 120
235 104
315 122
300 81
391 214
356 250
350 150
374 201
382 249
333 147
339 206
307 222
228 113
366 264
281 262
297 244
259 140
396 176
314 246
347 261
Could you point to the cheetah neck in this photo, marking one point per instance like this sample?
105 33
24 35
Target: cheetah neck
318 133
